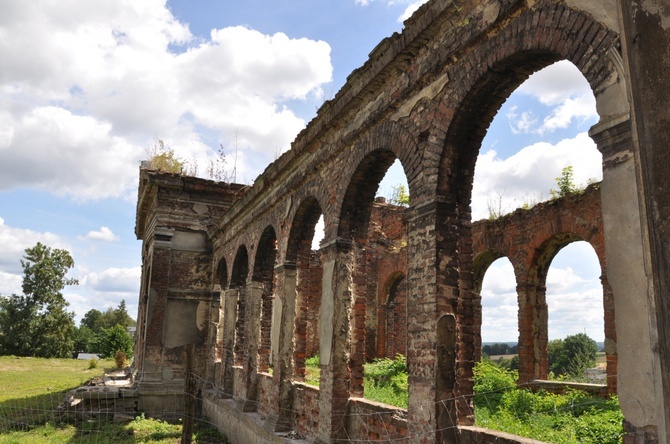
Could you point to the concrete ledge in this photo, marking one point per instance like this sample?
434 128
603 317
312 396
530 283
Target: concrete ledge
240 427
478 435
560 387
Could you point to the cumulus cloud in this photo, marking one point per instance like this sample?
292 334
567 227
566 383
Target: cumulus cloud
105 289
528 175
563 91
10 283
104 234
14 242
103 80
114 280
410 6
575 304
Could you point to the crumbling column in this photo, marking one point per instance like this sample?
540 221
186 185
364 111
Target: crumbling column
248 401
335 338
533 324
611 357
645 29
435 359
281 417
156 306
626 275
228 358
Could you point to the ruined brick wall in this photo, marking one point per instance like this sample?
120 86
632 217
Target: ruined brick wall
530 239
425 97
177 302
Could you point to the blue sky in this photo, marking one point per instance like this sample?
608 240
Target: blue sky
87 88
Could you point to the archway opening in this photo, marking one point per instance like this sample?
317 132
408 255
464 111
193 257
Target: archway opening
263 275
576 319
517 138
238 280
540 130
499 324
373 217
306 233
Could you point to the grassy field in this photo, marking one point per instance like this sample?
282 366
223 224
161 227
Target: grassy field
32 388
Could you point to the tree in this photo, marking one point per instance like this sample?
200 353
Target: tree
97 321
91 319
399 195
116 339
572 356
37 323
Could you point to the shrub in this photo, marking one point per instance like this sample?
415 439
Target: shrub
115 339
120 358
92 363
491 382
386 381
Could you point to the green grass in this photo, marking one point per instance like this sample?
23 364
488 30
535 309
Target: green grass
385 379
32 388
572 418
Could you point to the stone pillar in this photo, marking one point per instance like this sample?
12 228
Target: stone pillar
228 357
248 401
422 338
358 336
161 260
645 29
533 322
213 338
335 339
281 416
610 336
637 367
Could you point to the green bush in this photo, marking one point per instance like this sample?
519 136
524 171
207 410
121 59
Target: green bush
386 381
573 417
491 383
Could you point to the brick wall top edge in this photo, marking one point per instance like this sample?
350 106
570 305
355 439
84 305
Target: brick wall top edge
590 192
151 182
380 58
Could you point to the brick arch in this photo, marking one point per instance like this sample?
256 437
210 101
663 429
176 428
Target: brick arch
301 233
480 265
266 253
505 62
221 277
240 273
546 252
372 157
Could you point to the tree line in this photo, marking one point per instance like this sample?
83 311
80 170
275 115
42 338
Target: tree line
37 323
567 358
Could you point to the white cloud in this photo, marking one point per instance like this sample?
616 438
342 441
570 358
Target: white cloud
10 283
562 279
556 82
563 89
105 289
412 6
521 123
104 234
528 175
14 242
114 280
103 80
